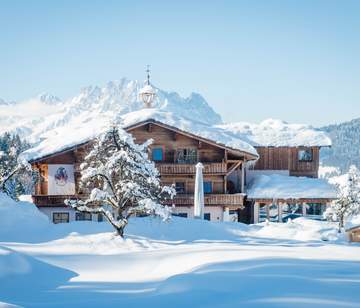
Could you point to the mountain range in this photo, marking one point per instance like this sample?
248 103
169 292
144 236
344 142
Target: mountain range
36 117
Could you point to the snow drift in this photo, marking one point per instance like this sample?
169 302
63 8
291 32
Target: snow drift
20 220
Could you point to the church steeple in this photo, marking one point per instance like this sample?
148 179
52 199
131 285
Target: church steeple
147 93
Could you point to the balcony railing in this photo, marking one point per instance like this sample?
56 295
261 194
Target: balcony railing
209 168
211 199
180 199
176 168
46 200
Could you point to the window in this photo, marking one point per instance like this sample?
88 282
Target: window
207 187
314 209
100 218
60 217
83 216
180 187
305 155
157 154
207 216
186 156
183 215
263 212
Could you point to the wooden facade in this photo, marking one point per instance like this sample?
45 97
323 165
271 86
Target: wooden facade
287 158
354 234
219 162
179 151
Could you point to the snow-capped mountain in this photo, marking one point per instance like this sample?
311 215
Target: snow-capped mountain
95 103
48 99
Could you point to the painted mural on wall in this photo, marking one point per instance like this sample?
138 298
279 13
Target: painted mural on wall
61 180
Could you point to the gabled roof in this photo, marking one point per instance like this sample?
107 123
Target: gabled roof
248 155
67 138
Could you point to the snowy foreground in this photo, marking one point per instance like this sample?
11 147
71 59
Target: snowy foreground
185 262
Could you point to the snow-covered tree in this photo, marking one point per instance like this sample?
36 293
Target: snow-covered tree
121 181
348 202
15 177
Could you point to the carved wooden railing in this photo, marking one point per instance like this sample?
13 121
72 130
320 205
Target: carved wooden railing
209 168
211 199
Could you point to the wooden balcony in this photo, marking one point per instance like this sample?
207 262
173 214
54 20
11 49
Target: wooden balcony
180 199
209 168
175 168
210 199
45 200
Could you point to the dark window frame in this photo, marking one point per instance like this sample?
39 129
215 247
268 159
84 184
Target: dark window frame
184 155
180 190
207 216
61 219
182 215
83 216
309 150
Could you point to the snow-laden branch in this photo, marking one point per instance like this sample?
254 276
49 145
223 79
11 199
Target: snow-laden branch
122 181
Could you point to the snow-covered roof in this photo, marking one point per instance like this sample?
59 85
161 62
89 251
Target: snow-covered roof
278 133
275 186
353 223
65 137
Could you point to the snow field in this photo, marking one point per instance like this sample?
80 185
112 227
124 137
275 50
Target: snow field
302 263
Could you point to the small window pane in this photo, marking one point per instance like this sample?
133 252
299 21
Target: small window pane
186 156
207 216
183 215
157 154
263 212
60 217
83 216
305 155
207 187
180 187
314 209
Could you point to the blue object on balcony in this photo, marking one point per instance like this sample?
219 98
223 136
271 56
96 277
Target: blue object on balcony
207 187
157 154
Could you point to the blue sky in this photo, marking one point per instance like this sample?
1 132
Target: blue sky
294 60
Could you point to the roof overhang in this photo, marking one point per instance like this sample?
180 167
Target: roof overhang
236 152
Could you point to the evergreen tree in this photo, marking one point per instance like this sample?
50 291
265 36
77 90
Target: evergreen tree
121 181
14 176
348 202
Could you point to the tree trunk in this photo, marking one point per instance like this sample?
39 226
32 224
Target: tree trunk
341 223
120 231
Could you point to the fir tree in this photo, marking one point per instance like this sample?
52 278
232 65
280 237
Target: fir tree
121 181
15 177
348 202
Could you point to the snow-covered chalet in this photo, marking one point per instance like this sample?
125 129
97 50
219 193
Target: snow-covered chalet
251 172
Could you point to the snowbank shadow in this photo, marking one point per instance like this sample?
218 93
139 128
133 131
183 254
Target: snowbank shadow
272 282
23 278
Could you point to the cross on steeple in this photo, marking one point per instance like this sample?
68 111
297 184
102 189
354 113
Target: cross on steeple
148 74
